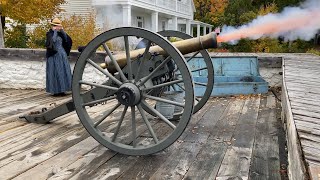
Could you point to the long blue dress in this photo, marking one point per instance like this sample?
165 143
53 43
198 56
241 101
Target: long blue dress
58 71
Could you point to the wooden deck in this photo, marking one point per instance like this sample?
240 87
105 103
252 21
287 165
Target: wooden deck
301 88
230 138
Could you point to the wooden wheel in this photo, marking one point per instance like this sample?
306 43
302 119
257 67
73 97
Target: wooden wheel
202 58
118 119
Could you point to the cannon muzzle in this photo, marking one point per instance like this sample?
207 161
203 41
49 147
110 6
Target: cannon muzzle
184 46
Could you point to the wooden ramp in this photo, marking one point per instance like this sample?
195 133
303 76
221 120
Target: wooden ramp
301 89
230 138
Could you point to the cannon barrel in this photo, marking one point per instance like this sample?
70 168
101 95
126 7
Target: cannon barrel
184 46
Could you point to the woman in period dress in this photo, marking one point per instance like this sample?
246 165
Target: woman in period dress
58 72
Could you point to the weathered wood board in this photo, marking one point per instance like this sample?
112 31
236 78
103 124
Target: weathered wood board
301 106
232 137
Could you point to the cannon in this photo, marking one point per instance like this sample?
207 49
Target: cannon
140 100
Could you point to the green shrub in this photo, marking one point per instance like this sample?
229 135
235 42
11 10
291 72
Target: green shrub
314 51
16 36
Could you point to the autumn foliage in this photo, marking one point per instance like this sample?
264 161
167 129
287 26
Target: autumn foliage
81 29
30 11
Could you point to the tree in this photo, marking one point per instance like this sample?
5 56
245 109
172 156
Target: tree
203 8
235 9
217 11
285 3
28 11
210 11
81 29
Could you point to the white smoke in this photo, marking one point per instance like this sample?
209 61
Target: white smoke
292 23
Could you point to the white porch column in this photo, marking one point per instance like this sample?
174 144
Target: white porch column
204 30
210 29
175 23
126 15
188 26
191 30
154 21
198 30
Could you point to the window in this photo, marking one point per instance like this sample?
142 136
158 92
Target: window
140 21
163 25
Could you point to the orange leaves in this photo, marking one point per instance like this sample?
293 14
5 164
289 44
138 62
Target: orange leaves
270 8
218 6
30 11
81 29
210 10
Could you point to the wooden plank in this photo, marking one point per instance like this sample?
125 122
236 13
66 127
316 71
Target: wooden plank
77 169
92 160
296 166
259 165
207 163
304 106
6 126
50 166
12 95
308 100
304 95
236 162
43 153
208 120
20 148
273 149
146 166
179 162
226 125
308 127
306 119
299 84
16 100
303 112
302 79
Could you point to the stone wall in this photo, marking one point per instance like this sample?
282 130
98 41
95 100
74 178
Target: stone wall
25 68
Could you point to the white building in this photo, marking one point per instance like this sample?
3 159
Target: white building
155 15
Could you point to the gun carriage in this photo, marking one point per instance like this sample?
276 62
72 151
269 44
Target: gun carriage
119 103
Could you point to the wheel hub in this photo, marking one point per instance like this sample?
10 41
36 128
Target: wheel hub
129 94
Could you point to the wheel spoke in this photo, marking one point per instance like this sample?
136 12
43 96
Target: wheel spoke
98 101
126 42
163 84
200 84
164 100
199 69
181 87
197 99
99 85
147 48
142 60
104 116
104 71
144 117
190 58
134 129
119 123
154 71
115 63
195 70
174 88
158 114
